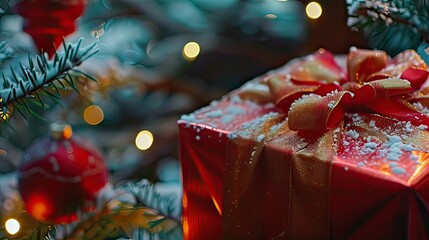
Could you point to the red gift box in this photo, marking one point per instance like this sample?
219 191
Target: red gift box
313 150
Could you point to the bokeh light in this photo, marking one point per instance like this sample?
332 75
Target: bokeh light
12 226
93 115
313 10
67 131
38 208
271 16
4 115
144 140
191 50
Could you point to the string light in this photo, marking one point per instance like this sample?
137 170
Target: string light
313 10
93 115
271 16
67 132
191 50
4 115
144 140
12 226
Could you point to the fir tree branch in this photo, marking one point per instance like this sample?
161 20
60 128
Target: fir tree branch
413 14
110 222
383 13
138 208
28 83
148 195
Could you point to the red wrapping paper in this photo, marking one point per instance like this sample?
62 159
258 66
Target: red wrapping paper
203 155
343 182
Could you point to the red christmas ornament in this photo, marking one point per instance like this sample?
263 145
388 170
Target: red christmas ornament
48 21
60 175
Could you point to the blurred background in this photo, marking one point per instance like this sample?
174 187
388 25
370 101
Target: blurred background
160 59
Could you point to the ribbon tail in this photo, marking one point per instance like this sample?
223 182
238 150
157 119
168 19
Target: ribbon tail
311 169
244 183
381 89
417 77
399 109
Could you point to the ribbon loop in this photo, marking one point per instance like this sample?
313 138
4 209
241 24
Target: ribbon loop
416 77
318 113
319 68
363 63
285 92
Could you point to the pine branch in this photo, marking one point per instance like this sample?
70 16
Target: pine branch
29 83
148 195
111 222
403 12
139 208
392 25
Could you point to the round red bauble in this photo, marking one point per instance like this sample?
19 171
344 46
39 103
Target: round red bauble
49 21
60 175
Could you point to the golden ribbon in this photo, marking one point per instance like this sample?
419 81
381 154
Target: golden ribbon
316 100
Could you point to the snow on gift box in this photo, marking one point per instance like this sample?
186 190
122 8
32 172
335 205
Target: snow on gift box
313 150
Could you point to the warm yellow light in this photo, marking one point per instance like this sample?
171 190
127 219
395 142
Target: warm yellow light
12 226
271 16
93 115
191 50
67 132
422 163
144 140
313 10
4 115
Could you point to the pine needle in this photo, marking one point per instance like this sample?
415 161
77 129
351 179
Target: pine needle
391 25
29 80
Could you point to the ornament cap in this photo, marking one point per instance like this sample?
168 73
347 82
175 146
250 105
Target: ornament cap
60 130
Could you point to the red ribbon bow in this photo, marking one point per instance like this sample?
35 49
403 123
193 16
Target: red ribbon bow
317 93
